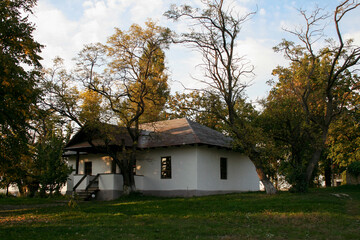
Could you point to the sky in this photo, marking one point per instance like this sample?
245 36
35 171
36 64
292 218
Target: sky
64 26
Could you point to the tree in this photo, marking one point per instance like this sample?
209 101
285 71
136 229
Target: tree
217 29
128 74
284 122
194 105
135 82
322 81
154 71
18 92
50 169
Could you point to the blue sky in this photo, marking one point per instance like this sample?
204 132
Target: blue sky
64 26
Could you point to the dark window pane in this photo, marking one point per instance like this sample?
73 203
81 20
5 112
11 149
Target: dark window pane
88 168
223 168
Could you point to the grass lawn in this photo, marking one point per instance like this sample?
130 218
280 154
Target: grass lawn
318 214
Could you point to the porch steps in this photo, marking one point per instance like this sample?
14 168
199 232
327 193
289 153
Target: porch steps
90 192
87 195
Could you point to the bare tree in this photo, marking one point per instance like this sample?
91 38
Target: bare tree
214 32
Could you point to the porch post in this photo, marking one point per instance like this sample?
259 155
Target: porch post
77 162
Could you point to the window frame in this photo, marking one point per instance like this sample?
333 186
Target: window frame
165 167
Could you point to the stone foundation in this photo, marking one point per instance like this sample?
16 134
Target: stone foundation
107 195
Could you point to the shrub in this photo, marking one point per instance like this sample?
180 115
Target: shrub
354 168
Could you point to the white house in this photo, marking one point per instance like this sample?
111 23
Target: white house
175 158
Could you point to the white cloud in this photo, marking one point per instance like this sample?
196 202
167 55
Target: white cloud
64 34
63 37
355 36
262 12
264 60
143 9
54 31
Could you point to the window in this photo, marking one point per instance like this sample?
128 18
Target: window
223 168
88 168
166 167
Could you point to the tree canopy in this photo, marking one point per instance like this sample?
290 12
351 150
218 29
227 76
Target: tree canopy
323 81
125 82
19 72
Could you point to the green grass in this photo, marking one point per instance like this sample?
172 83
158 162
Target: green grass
315 215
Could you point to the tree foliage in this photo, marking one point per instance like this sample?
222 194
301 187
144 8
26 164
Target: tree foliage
50 170
125 82
194 105
19 64
344 136
323 81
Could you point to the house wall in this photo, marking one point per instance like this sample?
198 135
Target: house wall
241 173
183 165
100 163
195 171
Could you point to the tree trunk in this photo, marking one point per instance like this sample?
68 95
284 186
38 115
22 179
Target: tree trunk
312 163
20 188
315 158
128 182
7 189
268 185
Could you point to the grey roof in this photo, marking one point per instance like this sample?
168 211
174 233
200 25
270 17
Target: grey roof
181 132
167 133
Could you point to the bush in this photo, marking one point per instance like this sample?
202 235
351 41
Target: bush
354 168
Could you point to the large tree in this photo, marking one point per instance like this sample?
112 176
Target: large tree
322 80
19 63
128 75
215 31
283 120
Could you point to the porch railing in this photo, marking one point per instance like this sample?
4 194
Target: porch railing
79 182
92 181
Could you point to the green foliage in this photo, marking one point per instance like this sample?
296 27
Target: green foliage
51 169
354 168
344 136
285 122
18 92
322 82
196 106
19 63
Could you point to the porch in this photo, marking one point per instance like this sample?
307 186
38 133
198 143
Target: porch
103 186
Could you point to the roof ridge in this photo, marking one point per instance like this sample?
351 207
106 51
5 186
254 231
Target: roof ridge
192 129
